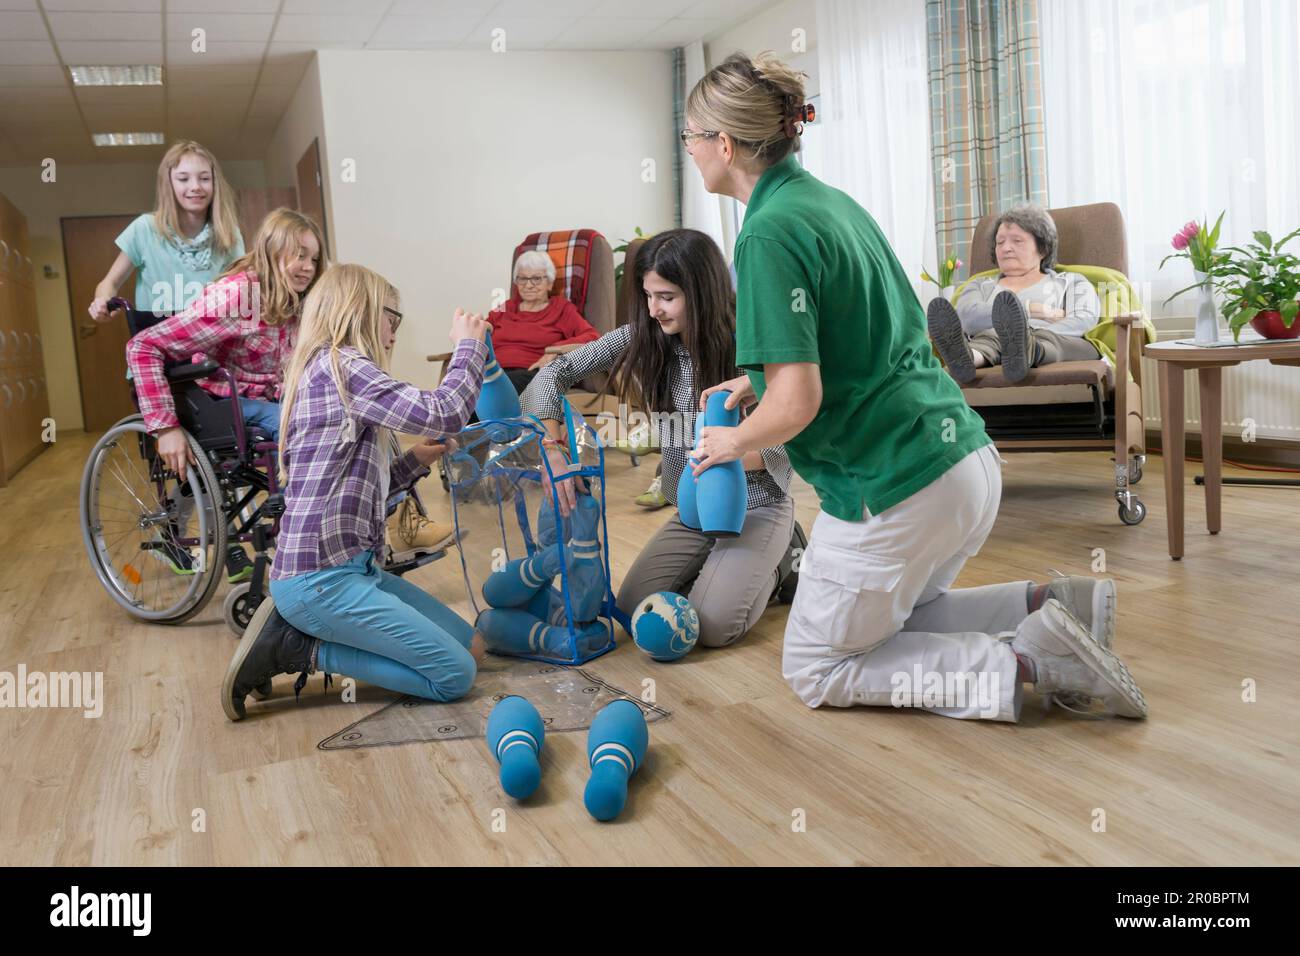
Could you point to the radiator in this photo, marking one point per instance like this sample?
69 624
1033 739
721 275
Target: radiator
1260 392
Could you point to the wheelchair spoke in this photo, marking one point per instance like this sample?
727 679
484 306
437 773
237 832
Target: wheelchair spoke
129 490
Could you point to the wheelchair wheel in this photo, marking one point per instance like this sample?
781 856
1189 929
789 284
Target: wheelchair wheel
239 607
157 545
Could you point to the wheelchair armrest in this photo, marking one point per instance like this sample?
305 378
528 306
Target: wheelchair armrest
191 371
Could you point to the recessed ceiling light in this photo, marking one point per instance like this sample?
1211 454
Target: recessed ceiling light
128 139
116 75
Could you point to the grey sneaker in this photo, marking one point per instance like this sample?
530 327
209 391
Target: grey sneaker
1073 666
946 332
1011 322
1092 600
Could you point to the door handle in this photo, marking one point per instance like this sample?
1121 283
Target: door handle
86 331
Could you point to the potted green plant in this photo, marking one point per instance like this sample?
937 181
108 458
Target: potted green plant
1260 284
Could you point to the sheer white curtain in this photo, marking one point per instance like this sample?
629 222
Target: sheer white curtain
1174 110
875 109
700 209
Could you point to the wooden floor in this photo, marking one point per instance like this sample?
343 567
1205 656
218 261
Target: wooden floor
1207 779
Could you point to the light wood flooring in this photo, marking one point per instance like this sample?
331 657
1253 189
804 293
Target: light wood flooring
1207 779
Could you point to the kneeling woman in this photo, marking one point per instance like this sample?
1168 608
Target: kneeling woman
681 339
332 608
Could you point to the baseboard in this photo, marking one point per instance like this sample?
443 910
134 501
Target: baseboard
1267 452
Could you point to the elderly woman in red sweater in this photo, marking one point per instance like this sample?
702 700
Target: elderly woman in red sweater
533 320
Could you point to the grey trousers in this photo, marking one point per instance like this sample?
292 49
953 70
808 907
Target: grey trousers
730 580
1048 347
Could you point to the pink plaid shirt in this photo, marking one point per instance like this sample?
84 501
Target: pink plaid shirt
216 326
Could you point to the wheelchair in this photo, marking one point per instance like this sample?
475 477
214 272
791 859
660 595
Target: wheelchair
158 544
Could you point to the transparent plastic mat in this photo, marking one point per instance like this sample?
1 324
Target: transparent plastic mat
568 698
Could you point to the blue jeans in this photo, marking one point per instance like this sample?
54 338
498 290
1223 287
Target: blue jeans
378 628
265 416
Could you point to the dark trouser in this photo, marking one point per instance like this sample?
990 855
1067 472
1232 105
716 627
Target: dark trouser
1048 347
520 377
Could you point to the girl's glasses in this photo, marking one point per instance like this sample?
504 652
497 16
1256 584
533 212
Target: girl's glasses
394 319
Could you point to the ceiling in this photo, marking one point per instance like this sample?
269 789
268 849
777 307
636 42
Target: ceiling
235 92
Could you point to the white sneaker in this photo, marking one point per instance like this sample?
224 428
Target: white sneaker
1094 601
1071 665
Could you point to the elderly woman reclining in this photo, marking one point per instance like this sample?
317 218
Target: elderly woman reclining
1029 315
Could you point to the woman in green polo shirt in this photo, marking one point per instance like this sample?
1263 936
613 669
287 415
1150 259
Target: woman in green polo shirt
833 339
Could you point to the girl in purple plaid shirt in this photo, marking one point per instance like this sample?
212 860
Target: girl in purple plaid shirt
332 607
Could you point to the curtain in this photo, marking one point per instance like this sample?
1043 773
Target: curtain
700 209
1175 110
986 113
874 110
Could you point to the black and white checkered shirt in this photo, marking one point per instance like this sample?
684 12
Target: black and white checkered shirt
542 398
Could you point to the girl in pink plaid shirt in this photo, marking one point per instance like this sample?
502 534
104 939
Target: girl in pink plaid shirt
246 321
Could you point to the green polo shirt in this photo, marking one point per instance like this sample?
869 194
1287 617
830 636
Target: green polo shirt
817 282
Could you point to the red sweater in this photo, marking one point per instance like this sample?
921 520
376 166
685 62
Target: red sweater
520 338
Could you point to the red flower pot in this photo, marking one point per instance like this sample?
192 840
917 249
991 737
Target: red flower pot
1270 325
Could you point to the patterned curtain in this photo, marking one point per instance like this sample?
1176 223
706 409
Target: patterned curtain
986 113
679 122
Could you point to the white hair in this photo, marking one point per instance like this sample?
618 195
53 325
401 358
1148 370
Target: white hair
534 259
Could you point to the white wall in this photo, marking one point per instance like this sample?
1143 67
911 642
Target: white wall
459 155
774 29
302 122
107 190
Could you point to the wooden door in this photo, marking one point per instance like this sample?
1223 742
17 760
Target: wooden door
311 192
88 251
254 204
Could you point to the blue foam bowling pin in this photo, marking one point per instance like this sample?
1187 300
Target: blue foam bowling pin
516 583
498 398
687 498
586 571
515 733
515 631
616 746
721 497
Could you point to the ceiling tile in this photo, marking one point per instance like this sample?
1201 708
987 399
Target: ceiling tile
284 69
606 34
555 8
520 33
137 97
424 30
677 33
227 74
729 10
27 53
105 26
635 8
440 8
103 6
313 8
221 7
182 54
32 76
90 53
219 27
36 98
335 28
18 25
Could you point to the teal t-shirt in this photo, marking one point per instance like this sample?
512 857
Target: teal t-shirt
817 282
168 273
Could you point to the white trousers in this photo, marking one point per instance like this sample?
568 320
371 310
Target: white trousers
874 621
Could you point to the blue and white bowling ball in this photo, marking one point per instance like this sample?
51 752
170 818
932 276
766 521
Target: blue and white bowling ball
665 626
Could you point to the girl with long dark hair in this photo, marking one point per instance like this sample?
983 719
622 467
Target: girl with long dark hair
679 340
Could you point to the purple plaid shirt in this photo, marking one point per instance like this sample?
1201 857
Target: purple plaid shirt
334 507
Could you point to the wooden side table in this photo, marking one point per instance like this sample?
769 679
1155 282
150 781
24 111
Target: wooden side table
1172 359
